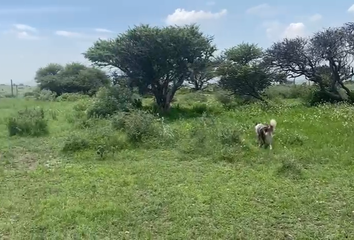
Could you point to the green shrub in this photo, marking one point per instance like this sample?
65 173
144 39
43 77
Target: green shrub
28 122
110 100
299 91
316 97
229 136
138 125
44 95
71 97
226 99
9 96
137 101
288 92
118 121
100 139
75 143
82 105
29 94
79 117
200 108
103 139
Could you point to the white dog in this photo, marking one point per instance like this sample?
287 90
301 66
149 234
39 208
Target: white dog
265 133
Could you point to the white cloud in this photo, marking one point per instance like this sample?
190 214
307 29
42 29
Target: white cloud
263 10
25 35
23 32
273 30
351 9
276 31
316 17
294 30
103 30
182 16
68 34
23 27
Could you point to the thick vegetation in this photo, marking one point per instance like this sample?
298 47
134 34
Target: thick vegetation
140 155
73 78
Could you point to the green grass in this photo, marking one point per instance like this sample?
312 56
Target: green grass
205 179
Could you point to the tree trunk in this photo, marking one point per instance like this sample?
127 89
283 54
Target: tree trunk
163 101
164 93
346 90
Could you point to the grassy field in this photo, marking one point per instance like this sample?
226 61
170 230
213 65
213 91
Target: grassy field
198 174
6 90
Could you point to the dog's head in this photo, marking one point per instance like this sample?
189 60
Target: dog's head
268 130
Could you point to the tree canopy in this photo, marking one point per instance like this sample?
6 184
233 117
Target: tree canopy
325 58
71 78
159 59
242 71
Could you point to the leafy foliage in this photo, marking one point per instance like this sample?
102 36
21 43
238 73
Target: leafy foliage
139 125
159 59
242 72
110 100
71 78
28 122
203 70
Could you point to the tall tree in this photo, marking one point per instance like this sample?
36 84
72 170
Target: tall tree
48 77
243 72
71 78
160 59
324 58
203 70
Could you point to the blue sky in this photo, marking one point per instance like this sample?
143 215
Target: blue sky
33 35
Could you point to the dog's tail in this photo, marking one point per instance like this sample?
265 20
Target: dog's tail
273 123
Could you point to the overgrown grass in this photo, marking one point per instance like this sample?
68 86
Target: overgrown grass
194 174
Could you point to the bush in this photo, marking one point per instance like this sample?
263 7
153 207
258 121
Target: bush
229 136
110 100
45 95
199 108
100 139
316 97
288 92
75 143
71 97
299 91
9 96
227 101
105 139
28 122
209 138
138 125
118 121
137 101
29 94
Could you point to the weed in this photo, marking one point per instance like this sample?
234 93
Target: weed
75 143
139 125
28 122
